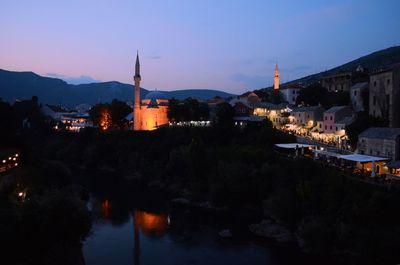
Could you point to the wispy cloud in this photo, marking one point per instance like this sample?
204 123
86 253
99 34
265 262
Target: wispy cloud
154 57
83 79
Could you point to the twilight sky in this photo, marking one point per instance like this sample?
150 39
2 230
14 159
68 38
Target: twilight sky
230 45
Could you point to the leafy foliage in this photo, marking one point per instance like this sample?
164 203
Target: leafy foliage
362 122
315 94
106 115
187 110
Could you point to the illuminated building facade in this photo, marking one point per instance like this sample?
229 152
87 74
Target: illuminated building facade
276 77
384 95
151 112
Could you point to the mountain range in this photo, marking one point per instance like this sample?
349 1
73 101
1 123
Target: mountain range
24 85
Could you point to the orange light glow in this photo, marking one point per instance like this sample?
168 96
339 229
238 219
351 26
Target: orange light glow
105 209
105 119
151 224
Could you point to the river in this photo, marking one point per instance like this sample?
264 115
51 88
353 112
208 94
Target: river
124 235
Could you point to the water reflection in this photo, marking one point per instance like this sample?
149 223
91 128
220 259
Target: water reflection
134 232
150 224
105 209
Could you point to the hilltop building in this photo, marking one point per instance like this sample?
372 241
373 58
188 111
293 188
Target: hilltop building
380 141
276 77
337 82
356 96
151 112
290 93
384 95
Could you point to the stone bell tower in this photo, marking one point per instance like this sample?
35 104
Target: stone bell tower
276 77
137 125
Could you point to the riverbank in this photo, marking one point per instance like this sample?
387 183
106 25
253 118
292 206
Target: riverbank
239 170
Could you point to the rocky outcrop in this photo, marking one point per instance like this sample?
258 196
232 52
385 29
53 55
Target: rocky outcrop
272 230
226 233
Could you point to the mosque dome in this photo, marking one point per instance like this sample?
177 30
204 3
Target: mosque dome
155 95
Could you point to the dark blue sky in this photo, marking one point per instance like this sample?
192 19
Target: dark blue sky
231 45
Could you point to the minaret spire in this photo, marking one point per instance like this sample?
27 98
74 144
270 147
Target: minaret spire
137 122
137 65
276 77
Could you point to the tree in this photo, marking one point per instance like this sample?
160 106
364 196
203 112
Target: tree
118 111
311 95
112 115
363 122
173 110
340 98
187 110
225 113
276 97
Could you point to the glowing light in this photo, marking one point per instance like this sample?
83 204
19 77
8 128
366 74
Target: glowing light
16 164
16 155
105 208
105 119
152 224
20 194
4 161
14 158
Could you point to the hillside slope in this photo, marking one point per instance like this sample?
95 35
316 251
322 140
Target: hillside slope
24 85
372 61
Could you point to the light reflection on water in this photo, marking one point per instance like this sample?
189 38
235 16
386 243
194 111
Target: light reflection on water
158 238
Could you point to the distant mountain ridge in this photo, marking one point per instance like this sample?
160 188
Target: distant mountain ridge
24 85
375 60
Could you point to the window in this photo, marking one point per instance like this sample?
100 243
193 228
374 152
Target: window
320 125
370 151
374 83
355 92
330 127
336 128
294 99
331 117
326 117
308 115
341 86
374 100
388 81
326 128
294 92
378 153
362 152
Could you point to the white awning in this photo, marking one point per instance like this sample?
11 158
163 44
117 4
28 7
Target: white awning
326 153
363 158
293 145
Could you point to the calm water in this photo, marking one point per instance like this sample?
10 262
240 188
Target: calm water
164 237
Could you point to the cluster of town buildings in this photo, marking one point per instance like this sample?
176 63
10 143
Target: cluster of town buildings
378 91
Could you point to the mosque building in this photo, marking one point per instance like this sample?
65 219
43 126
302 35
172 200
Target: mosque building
151 112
